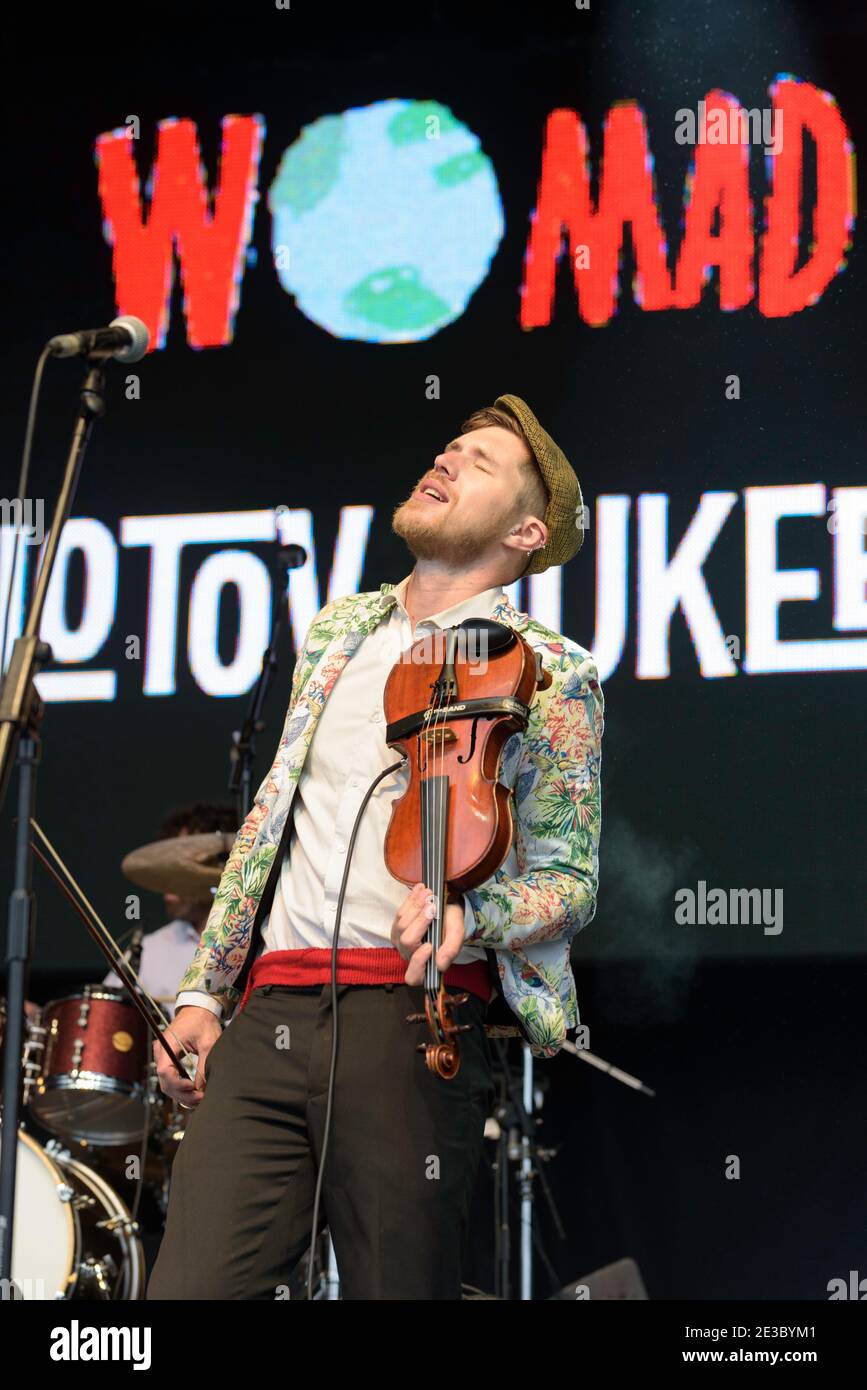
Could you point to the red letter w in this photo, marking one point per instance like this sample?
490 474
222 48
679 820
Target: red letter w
210 245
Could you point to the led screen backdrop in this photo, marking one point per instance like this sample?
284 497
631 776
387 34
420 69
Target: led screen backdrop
649 230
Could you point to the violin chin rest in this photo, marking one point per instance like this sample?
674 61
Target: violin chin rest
496 636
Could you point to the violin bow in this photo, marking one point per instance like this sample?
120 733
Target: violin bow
103 939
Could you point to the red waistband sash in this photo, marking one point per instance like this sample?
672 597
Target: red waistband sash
356 965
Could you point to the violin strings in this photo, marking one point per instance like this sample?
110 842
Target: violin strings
438 867
441 831
435 837
432 841
442 809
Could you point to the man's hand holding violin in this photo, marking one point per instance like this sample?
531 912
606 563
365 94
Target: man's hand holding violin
411 924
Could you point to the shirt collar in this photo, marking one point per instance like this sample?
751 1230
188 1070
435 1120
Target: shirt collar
504 612
183 928
479 605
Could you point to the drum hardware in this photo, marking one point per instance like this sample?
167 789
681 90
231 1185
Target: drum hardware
84 1201
57 1151
154 1160
31 1063
100 1274
74 1237
120 1223
32 1047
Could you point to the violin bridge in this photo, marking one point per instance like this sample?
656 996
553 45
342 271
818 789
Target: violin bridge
442 734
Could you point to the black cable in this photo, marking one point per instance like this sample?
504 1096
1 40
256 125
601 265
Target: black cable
333 1068
23 478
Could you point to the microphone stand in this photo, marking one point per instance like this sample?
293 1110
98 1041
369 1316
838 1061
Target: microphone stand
21 712
243 753
518 1143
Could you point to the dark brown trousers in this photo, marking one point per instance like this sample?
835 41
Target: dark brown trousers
401 1164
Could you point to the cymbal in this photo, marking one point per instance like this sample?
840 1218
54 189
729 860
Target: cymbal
189 866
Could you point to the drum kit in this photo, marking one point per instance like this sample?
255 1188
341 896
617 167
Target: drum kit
94 1121
94 1118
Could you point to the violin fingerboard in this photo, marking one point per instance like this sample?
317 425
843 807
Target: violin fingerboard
434 842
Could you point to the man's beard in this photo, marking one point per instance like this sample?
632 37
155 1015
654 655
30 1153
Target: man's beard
430 539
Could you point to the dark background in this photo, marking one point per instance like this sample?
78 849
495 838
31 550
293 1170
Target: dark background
755 1044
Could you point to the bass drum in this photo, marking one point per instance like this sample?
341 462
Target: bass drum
73 1237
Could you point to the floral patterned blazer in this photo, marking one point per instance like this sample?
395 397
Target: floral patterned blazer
544 892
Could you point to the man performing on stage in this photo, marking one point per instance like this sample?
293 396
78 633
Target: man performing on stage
500 501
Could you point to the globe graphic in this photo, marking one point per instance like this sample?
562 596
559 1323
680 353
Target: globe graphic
385 220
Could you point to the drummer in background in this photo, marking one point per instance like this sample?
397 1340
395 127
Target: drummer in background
166 952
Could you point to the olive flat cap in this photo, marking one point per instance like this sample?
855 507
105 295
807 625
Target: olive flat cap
564 516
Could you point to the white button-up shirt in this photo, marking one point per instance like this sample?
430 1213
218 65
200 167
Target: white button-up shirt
165 955
346 752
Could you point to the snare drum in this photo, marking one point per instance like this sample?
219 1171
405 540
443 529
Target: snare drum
92 1082
73 1237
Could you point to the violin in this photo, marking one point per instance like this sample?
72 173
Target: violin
450 715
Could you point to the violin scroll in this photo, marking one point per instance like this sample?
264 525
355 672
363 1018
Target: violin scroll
442 1055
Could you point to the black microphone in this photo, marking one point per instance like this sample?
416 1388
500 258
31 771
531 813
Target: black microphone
132 954
126 338
290 557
